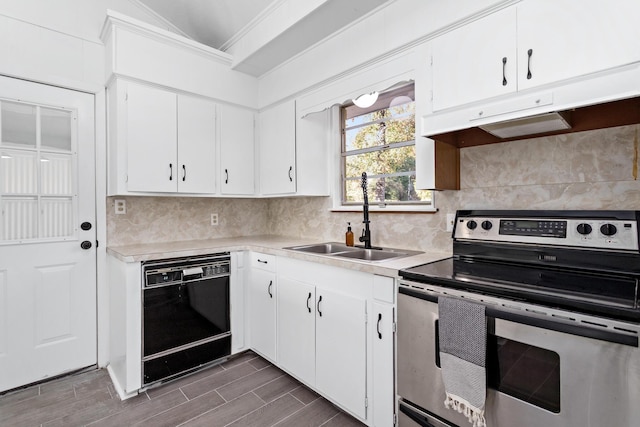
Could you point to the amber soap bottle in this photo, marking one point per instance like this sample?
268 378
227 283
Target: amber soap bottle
349 235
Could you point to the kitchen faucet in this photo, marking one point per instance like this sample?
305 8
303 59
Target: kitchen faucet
366 233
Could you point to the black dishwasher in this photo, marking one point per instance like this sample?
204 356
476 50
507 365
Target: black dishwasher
186 319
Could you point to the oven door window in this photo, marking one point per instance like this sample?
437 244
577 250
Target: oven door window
181 314
523 371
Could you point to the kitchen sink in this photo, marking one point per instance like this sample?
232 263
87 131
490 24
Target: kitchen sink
324 248
343 251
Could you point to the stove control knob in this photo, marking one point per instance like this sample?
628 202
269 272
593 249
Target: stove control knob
608 229
584 229
471 225
486 225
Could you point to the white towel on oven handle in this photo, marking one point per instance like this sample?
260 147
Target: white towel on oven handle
463 338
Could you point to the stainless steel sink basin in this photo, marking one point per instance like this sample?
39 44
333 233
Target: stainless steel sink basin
324 248
371 254
351 252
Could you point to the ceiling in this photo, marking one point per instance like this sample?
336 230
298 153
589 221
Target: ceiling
210 22
260 34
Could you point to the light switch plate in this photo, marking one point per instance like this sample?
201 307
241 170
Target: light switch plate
450 218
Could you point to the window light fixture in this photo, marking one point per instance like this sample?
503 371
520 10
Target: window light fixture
366 100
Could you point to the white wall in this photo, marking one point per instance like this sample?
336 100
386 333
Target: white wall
58 41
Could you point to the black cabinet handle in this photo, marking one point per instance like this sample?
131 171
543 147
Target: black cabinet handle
504 72
269 288
529 54
308 299
319 301
378 325
263 262
226 172
170 171
184 173
86 226
290 170
85 245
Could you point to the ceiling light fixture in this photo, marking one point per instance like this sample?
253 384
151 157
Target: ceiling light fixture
400 100
366 100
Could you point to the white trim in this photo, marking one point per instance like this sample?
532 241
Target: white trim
160 18
251 25
123 21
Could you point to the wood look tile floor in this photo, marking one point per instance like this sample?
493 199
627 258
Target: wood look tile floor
244 391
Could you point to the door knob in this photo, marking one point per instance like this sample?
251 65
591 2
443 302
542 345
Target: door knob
85 245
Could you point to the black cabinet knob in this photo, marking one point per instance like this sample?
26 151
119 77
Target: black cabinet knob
86 226
85 245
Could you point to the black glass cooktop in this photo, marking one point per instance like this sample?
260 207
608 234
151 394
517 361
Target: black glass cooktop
603 293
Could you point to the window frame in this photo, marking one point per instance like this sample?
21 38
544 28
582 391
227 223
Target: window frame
340 203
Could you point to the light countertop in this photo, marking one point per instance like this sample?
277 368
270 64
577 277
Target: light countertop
269 244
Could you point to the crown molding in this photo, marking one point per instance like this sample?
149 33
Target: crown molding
252 24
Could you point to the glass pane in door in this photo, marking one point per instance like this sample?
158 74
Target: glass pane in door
56 174
18 123
57 217
19 172
55 128
19 218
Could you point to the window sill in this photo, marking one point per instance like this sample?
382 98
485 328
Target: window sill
387 209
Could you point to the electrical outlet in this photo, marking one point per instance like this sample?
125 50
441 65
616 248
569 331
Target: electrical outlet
450 219
214 219
120 206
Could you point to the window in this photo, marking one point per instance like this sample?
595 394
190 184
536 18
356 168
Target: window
380 140
37 163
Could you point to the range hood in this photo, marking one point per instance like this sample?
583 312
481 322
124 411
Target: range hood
542 123
598 101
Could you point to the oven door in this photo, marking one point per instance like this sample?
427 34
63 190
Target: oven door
537 375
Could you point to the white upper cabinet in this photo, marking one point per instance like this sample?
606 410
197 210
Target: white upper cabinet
149 129
237 150
562 39
475 62
277 132
161 142
196 145
532 44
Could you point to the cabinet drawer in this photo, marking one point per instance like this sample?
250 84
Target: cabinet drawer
263 261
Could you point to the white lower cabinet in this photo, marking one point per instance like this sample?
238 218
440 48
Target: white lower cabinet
262 312
296 330
341 350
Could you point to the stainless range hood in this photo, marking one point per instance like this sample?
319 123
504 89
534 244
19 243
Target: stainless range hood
542 123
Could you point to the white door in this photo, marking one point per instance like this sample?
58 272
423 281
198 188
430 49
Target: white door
341 349
262 319
47 190
196 145
296 333
236 150
278 149
152 140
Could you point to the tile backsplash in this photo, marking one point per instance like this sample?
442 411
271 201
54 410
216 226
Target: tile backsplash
587 170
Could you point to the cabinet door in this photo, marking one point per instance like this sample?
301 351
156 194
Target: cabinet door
570 38
296 333
475 62
262 317
196 145
341 353
383 366
278 149
236 150
151 139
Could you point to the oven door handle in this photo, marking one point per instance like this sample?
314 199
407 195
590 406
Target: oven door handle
420 419
577 330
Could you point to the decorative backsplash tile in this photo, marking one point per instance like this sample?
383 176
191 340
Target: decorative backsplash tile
588 170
